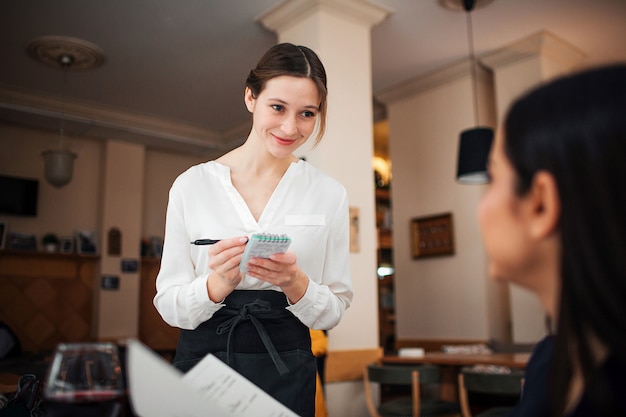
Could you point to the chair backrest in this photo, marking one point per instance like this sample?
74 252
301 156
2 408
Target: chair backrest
412 376
401 374
509 384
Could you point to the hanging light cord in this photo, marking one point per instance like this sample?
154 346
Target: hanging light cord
470 42
66 61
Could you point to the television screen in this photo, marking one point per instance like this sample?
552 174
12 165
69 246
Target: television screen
18 196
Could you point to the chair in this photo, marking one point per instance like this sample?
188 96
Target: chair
414 377
494 387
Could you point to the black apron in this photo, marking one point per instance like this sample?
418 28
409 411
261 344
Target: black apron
258 337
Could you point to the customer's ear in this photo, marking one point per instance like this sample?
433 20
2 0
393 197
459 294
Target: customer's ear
545 205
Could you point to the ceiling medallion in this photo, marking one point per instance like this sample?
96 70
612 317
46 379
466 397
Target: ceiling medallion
458 5
66 53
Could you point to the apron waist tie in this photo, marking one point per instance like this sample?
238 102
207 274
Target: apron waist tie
258 309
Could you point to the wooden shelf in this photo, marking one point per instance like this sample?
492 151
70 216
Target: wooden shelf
383 194
385 239
386 307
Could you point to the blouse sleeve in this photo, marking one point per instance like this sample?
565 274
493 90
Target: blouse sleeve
182 298
328 296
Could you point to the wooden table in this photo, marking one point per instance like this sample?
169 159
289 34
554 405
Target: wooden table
451 363
512 360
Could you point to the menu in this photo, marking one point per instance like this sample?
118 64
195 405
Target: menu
157 389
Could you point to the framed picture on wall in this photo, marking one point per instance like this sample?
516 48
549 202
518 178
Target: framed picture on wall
20 241
66 244
86 242
432 236
354 229
156 246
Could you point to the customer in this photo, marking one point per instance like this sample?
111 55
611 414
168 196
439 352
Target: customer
554 221
258 321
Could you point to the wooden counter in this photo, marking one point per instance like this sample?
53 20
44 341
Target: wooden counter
153 331
48 298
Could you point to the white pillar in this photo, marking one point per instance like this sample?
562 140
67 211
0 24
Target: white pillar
339 32
122 209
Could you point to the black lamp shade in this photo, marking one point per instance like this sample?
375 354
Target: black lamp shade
474 149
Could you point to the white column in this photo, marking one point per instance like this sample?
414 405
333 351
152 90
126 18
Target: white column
518 68
122 208
339 32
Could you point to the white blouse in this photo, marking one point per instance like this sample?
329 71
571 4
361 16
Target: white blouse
307 205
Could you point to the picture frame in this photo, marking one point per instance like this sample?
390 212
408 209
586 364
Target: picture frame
156 246
3 234
86 242
21 241
432 236
354 229
66 244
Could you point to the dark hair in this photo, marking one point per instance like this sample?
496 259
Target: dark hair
575 129
295 61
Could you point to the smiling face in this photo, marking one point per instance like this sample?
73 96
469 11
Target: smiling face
284 114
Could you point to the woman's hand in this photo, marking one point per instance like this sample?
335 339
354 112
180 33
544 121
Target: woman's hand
282 271
224 259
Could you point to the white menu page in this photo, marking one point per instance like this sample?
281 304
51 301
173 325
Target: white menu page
157 389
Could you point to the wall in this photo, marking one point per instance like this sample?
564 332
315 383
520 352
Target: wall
80 204
517 68
61 211
451 297
160 171
446 297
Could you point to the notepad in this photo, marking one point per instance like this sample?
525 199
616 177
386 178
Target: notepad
262 245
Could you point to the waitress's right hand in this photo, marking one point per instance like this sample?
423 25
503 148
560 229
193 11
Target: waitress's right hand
224 259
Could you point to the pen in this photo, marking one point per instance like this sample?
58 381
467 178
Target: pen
205 241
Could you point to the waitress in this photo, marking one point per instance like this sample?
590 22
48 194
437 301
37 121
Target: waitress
258 320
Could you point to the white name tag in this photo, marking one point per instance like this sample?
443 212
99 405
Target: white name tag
305 220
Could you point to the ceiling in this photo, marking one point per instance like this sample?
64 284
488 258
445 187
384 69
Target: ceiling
176 69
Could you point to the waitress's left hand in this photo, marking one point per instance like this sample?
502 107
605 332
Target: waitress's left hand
282 271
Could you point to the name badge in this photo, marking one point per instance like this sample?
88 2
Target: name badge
305 220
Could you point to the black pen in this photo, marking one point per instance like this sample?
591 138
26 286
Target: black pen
205 241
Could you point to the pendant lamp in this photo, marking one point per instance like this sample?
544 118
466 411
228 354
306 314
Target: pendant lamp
64 53
59 163
474 143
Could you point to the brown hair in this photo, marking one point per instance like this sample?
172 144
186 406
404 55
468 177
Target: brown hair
295 61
